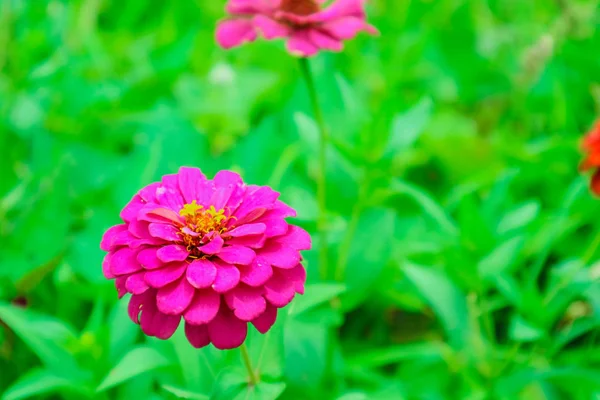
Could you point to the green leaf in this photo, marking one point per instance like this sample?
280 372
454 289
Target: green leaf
522 331
47 337
40 382
519 217
316 294
230 383
137 362
501 259
407 127
183 393
430 207
375 358
446 300
262 391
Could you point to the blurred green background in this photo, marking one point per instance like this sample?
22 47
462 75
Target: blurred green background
468 239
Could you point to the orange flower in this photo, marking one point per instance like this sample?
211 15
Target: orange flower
591 146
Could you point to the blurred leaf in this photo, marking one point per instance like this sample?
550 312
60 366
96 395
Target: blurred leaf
522 331
184 394
430 207
446 300
231 383
316 294
39 382
501 259
138 361
46 336
519 217
407 127
394 354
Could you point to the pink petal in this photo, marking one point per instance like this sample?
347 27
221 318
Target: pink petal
161 214
164 231
256 204
296 275
246 303
226 184
173 252
270 28
139 229
345 28
257 273
148 193
197 335
237 255
341 8
175 298
275 227
107 242
161 277
248 6
136 303
228 276
147 257
226 331
265 321
188 183
248 229
279 255
212 247
136 284
253 241
203 307
301 45
234 32
106 267
279 291
120 285
123 261
131 210
201 273
295 238
155 323
324 41
169 195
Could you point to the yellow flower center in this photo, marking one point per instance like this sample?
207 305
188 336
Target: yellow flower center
199 221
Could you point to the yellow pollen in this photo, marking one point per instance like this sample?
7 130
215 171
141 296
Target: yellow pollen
189 210
199 221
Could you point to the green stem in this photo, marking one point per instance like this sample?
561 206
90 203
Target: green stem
321 179
248 364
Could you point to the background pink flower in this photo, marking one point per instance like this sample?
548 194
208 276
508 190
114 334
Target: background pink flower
217 253
308 25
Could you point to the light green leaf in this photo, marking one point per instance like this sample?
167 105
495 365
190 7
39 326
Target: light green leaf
46 336
446 300
138 361
407 127
374 358
183 393
501 259
40 382
522 331
316 294
430 207
262 391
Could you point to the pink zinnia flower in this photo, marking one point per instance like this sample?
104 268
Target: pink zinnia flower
218 253
309 24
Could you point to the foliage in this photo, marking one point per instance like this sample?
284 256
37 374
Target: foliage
463 240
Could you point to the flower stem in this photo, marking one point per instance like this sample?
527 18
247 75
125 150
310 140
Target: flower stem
248 364
321 179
